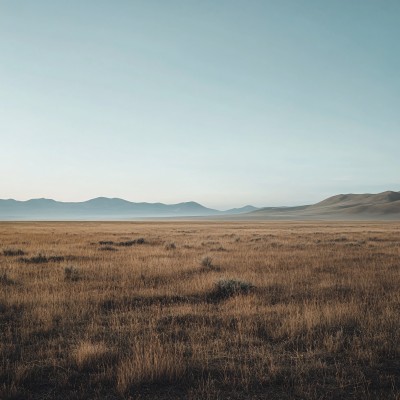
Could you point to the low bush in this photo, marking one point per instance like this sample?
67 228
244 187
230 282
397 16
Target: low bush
13 252
41 259
230 287
108 248
5 279
127 243
71 274
207 262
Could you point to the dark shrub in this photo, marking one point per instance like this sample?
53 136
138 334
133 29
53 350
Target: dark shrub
71 274
41 259
131 242
230 287
13 252
5 279
207 262
108 248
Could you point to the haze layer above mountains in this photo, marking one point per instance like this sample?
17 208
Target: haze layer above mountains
384 205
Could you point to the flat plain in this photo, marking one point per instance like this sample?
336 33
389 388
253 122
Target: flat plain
200 310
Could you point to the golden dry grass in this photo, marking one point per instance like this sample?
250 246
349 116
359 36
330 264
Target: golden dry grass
82 319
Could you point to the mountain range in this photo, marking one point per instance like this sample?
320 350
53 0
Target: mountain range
384 205
103 208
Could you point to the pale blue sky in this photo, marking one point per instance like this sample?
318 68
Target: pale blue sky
223 102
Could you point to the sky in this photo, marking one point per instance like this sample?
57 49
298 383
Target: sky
223 102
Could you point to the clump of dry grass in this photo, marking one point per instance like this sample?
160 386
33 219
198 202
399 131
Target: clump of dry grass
207 262
5 279
170 246
71 274
320 322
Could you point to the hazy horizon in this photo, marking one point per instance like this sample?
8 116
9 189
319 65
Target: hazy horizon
224 103
188 201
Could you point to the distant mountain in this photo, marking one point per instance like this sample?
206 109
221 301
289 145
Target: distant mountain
103 208
384 205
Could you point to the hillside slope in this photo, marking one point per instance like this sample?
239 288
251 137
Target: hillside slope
384 205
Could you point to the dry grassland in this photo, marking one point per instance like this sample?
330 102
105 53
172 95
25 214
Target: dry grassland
200 310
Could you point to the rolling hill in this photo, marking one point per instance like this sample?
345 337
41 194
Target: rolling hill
384 205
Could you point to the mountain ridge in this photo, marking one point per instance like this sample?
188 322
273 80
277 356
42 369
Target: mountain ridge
385 205
104 208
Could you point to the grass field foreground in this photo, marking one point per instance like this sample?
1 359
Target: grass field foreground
200 310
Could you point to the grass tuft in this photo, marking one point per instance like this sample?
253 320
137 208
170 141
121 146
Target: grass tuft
6 280
207 262
71 274
170 246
